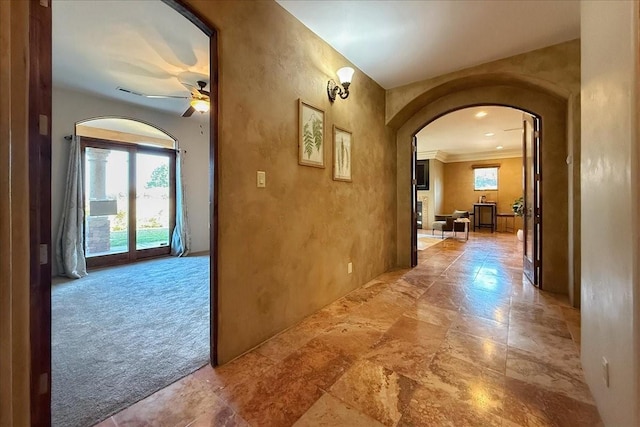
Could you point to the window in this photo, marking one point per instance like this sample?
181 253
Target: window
485 178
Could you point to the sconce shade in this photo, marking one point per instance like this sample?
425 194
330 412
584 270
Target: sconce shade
345 74
200 105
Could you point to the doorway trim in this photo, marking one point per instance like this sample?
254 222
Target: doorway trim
507 91
39 147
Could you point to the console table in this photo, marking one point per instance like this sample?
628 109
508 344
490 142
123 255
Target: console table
477 216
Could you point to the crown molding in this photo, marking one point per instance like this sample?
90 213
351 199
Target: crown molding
469 157
434 154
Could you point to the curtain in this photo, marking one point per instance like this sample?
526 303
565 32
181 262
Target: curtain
70 240
180 241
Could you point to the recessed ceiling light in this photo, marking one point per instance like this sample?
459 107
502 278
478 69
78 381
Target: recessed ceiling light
489 134
481 114
499 147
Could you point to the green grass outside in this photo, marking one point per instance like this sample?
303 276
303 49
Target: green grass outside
146 237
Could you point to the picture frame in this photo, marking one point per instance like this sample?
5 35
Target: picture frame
342 150
311 135
422 175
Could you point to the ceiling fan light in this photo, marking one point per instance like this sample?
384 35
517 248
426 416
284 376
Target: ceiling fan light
200 105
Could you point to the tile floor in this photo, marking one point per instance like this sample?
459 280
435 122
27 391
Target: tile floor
460 340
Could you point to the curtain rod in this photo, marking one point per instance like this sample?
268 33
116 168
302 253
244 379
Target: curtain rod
69 137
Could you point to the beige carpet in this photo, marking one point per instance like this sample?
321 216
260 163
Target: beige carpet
425 242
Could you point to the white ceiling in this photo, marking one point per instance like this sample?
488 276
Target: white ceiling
461 135
399 42
144 46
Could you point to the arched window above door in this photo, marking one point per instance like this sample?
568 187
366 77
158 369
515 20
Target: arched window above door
120 129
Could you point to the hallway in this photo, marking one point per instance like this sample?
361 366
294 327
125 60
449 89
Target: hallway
459 340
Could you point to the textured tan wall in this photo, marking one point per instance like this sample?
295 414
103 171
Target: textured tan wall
283 250
458 185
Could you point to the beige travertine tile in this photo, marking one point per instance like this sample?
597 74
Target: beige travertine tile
481 352
530 405
432 314
481 327
460 340
528 368
330 412
376 391
180 403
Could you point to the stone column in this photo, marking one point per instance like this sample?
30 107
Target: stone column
98 227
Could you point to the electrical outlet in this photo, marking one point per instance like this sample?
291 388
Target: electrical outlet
350 268
605 371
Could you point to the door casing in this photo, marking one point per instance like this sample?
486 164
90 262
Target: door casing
39 142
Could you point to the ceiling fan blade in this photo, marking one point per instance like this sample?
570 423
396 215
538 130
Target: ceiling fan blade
133 92
204 92
189 111
165 97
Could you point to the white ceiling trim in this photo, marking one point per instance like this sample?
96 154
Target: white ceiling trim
468 157
433 154
489 155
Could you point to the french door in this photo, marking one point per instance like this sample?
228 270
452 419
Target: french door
532 254
414 204
129 196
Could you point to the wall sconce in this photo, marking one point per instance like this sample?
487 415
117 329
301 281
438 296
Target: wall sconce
344 74
200 105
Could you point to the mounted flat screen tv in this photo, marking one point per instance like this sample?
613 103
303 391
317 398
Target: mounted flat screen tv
422 174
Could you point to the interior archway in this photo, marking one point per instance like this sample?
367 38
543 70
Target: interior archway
554 113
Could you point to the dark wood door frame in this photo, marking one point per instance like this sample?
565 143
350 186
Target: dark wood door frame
40 210
532 178
39 141
414 204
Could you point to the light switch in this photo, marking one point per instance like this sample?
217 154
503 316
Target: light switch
262 179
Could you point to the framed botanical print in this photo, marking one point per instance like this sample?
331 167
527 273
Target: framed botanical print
342 143
311 135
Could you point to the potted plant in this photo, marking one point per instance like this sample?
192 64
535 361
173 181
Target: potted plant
518 210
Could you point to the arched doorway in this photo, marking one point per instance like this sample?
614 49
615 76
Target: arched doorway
551 107
478 168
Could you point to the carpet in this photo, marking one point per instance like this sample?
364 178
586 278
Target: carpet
426 242
122 333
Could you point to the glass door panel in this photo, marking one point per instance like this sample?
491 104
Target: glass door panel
106 201
153 201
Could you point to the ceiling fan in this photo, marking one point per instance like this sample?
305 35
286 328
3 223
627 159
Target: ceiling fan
200 98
